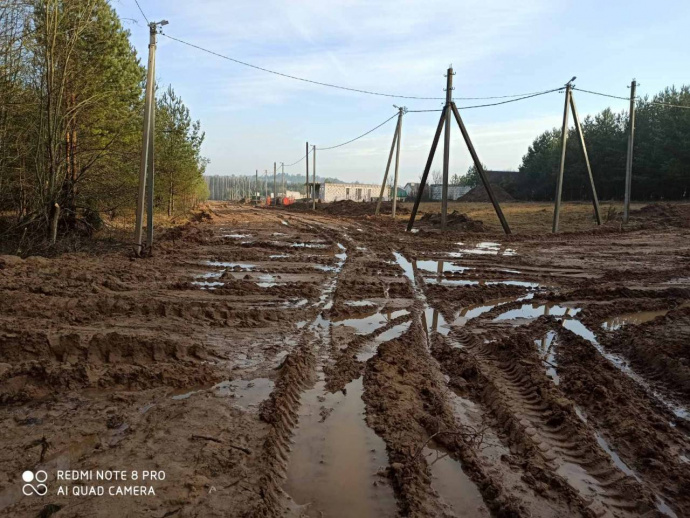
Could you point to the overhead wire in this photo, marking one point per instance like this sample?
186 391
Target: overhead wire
330 85
142 12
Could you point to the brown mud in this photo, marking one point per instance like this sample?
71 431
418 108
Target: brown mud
281 362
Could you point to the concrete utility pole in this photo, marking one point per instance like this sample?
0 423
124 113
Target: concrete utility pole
306 185
564 141
266 184
313 175
257 190
282 168
146 136
396 141
151 168
446 149
275 186
397 163
629 161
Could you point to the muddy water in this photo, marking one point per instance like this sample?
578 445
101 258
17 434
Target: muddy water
370 349
531 311
614 323
336 456
456 490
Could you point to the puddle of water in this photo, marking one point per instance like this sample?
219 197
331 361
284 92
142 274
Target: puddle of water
369 350
335 457
468 313
530 311
247 393
581 330
237 236
547 348
308 245
579 479
278 256
484 248
452 484
285 222
363 325
406 266
360 303
435 322
614 323
301 324
244 266
323 267
441 266
179 395
463 282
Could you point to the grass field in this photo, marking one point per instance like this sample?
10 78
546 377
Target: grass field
530 216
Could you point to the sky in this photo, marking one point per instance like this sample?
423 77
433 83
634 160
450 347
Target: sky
496 47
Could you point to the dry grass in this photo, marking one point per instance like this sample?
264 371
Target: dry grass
529 216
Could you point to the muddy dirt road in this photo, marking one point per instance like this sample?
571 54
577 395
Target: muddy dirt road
284 363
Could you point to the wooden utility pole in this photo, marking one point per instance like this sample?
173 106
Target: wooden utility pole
564 137
313 175
446 149
396 141
629 161
275 186
564 141
143 164
306 193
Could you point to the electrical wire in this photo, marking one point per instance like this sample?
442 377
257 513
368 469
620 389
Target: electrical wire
601 94
339 87
658 103
298 161
357 138
669 105
142 12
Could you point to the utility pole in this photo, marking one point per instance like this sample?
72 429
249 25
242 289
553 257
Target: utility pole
257 191
306 185
275 186
446 149
151 168
629 161
266 184
397 163
564 141
143 164
313 175
282 168
396 141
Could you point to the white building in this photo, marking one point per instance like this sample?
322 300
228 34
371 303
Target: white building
327 192
454 191
411 188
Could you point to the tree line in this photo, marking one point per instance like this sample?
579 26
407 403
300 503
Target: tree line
661 163
71 110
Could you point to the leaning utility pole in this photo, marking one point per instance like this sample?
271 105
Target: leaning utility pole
146 136
396 142
313 175
446 149
629 160
569 100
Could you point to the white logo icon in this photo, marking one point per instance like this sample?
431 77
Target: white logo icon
39 489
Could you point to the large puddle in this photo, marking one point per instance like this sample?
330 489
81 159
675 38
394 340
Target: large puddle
616 322
336 457
532 311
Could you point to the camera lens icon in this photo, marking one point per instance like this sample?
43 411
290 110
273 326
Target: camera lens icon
39 489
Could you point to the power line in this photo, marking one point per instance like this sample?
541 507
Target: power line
357 138
298 161
329 85
142 12
601 94
658 103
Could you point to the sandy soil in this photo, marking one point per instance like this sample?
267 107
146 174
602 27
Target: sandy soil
269 362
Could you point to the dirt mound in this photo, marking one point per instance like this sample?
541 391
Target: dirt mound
455 220
479 194
665 214
350 208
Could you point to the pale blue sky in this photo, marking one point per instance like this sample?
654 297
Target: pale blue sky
497 47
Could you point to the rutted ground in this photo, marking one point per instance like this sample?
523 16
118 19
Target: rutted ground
278 362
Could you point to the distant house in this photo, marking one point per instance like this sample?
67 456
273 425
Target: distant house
411 188
454 191
328 192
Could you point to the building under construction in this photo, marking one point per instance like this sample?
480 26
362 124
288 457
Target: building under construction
327 192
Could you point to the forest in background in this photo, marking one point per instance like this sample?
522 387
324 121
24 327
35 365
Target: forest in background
661 163
71 110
